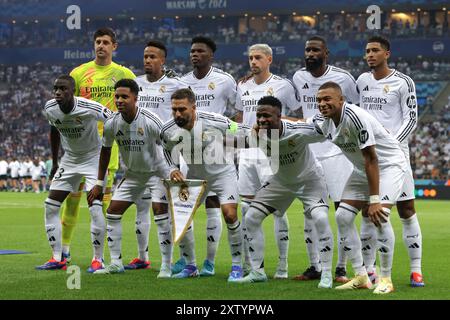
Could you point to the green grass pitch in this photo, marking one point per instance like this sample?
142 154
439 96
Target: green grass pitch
22 228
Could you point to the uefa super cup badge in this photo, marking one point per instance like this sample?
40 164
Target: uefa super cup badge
183 194
211 86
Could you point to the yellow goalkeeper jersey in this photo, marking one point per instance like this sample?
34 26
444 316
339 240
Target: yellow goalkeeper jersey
96 83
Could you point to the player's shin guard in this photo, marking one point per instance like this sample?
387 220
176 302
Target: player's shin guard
98 228
143 225
345 218
311 240
106 201
281 229
53 227
368 243
187 246
213 232
164 237
235 238
70 212
114 230
255 237
325 235
412 237
245 204
385 246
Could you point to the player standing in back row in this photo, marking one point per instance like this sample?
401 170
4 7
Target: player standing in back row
336 167
95 80
390 96
155 89
215 91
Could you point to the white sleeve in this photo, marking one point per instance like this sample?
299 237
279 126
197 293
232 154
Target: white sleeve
231 93
350 90
238 106
108 134
291 96
408 104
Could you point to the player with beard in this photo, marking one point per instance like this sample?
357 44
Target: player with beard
336 167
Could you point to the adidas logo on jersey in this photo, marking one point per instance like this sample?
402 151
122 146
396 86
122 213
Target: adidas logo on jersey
230 198
385 198
119 133
366 88
403 195
163 198
321 201
246 93
305 86
57 121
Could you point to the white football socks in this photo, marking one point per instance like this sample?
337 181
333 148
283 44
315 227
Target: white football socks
114 230
311 240
281 229
255 238
385 246
53 227
164 237
368 243
213 232
325 244
235 238
143 224
345 218
412 237
187 246
98 229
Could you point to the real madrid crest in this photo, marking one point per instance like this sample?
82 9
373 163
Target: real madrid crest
386 88
140 131
270 91
162 89
211 86
291 143
183 194
78 120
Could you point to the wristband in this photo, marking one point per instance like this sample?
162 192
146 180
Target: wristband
374 199
100 183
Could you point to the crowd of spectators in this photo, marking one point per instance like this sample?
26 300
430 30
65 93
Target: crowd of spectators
24 89
273 29
430 147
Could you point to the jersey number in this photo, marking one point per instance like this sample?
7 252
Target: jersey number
59 173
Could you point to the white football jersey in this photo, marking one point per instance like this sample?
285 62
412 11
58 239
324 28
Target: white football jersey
307 86
78 128
296 162
139 142
3 167
250 92
392 101
214 92
201 146
36 170
357 130
14 167
27 165
155 96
